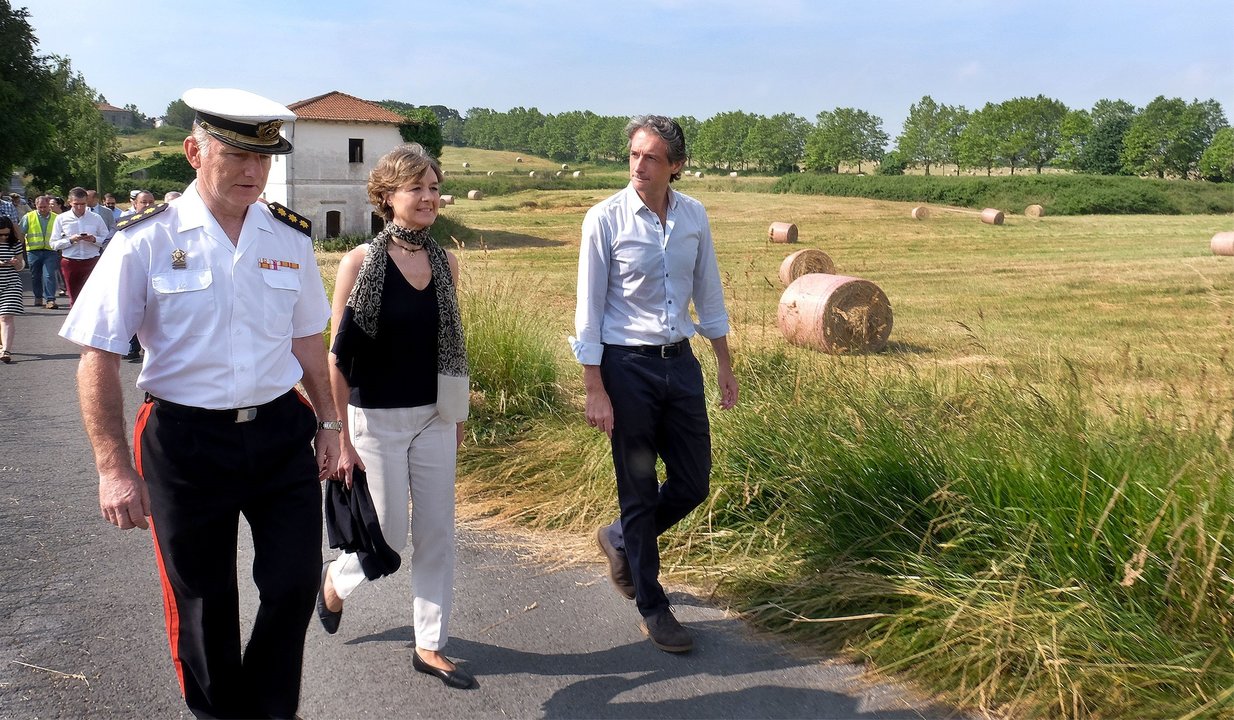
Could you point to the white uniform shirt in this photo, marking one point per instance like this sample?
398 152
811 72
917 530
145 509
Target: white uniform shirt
67 225
636 278
217 323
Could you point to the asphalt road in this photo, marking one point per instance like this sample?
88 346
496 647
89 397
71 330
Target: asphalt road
82 635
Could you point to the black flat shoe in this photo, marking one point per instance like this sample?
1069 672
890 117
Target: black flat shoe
456 678
329 619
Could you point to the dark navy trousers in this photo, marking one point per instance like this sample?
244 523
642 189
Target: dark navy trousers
659 410
204 471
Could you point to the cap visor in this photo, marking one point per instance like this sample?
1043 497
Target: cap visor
282 147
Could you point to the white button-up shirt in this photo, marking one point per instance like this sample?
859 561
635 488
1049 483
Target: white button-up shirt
216 321
636 277
67 225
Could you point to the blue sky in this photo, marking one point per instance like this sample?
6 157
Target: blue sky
672 57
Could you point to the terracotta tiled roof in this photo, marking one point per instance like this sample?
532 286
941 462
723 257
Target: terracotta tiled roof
343 108
105 107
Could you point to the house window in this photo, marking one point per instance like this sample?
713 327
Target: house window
355 150
334 223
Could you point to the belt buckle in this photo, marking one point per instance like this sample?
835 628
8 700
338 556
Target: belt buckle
668 351
244 415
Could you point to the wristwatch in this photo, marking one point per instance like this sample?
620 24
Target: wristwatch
335 425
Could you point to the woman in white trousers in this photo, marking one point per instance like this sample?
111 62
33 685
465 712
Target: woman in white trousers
399 377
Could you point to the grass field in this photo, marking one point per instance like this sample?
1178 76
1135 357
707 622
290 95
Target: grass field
1024 503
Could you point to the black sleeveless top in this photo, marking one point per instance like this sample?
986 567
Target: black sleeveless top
398 368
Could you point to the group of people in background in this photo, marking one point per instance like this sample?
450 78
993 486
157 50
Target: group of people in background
59 241
244 412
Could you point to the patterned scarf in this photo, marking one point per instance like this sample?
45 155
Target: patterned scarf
365 302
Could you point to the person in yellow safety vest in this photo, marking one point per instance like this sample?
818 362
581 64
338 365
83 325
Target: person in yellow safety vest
43 261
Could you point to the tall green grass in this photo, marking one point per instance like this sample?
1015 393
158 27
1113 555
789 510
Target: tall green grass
992 536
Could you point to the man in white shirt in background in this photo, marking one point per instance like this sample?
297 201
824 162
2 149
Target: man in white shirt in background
79 236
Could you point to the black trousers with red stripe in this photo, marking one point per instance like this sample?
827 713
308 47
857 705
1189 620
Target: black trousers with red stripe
203 472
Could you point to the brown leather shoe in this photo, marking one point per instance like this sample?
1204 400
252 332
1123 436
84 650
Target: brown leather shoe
618 564
666 633
51 305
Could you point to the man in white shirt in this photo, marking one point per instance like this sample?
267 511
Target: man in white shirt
646 254
223 433
79 236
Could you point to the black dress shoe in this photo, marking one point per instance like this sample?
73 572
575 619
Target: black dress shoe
329 618
456 678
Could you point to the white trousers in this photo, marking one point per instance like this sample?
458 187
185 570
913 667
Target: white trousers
410 450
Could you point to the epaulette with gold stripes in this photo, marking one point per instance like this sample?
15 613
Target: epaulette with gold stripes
288 216
143 215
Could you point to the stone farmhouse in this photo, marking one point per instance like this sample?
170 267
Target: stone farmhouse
338 139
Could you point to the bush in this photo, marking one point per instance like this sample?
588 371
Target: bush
1060 194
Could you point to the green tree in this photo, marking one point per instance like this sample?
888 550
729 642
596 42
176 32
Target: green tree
978 143
25 90
845 136
178 114
1037 124
1169 136
1217 162
421 127
82 148
921 140
778 142
721 139
558 137
602 138
452 132
480 129
689 129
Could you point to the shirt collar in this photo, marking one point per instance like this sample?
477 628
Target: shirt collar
636 203
194 214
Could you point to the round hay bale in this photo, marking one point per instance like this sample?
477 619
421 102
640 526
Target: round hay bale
1222 243
733 174
781 232
518 159
921 213
805 262
1034 211
558 173
491 173
564 166
531 174
578 173
446 200
475 195
835 314
990 216
466 165
698 173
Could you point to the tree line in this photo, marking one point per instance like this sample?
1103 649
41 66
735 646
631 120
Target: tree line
52 128
1168 137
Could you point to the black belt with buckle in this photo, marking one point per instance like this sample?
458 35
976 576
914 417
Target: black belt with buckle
239 415
664 351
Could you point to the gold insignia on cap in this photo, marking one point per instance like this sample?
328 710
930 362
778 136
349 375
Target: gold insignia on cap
269 130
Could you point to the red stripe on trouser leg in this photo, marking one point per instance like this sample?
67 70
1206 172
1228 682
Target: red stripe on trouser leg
171 616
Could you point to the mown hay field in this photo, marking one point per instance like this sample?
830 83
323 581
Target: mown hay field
1025 502
1137 304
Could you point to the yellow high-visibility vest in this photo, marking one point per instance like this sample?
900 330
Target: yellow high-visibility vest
37 234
